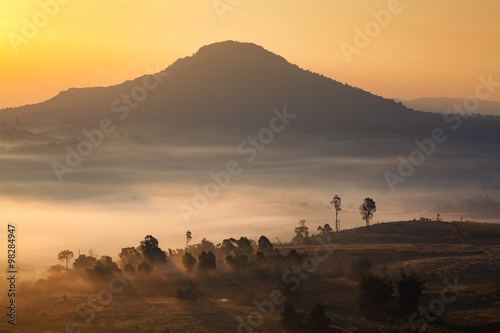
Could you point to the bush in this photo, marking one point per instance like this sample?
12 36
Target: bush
289 318
409 289
317 317
373 295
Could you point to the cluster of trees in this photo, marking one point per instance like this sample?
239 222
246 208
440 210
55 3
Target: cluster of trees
140 259
375 294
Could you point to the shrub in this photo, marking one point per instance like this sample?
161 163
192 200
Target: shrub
373 295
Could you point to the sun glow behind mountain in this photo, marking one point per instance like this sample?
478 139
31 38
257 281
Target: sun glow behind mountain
431 49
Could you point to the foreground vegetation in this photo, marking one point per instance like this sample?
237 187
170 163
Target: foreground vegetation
332 282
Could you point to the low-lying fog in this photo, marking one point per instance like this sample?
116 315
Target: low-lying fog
129 188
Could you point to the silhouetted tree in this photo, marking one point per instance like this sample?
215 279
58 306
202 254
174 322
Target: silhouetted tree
337 203
373 295
244 246
206 245
228 245
188 261
238 262
206 261
326 229
289 318
152 253
409 290
144 268
83 262
367 209
66 256
360 267
265 246
301 233
130 255
188 237
105 265
317 317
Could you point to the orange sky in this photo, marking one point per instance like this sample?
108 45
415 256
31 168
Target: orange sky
429 48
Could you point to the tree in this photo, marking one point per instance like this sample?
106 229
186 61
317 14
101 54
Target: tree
337 202
228 245
326 229
130 255
367 209
265 246
238 262
244 246
144 268
289 318
152 253
317 317
302 229
188 261
188 237
301 233
409 290
83 262
65 255
105 265
373 295
206 261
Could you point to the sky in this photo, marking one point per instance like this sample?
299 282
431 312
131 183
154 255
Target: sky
421 49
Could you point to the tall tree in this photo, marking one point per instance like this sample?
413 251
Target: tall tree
337 203
65 255
228 245
244 246
206 261
367 209
130 255
188 237
152 253
188 261
265 246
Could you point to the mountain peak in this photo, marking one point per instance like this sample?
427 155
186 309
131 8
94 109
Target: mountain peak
230 46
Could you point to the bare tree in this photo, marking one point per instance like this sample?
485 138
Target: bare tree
65 255
337 202
367 209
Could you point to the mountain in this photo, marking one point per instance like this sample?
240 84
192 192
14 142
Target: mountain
190 120
232 85
442 104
